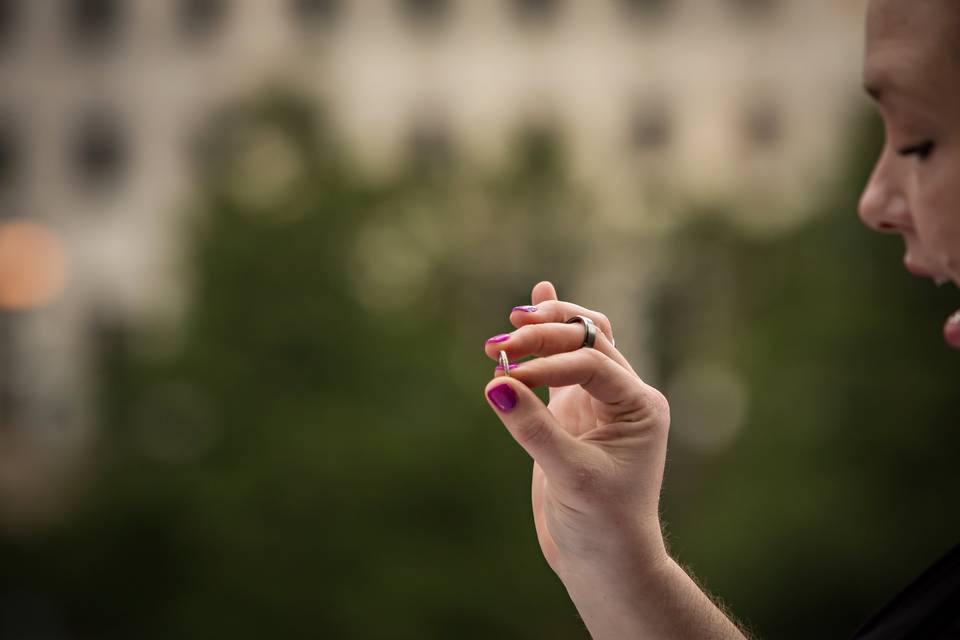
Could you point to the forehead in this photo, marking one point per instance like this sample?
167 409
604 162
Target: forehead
911 48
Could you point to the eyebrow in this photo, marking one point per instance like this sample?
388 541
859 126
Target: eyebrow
880 84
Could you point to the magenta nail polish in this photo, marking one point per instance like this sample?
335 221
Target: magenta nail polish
503 397
503 337
525 309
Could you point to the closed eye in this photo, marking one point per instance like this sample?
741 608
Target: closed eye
922 150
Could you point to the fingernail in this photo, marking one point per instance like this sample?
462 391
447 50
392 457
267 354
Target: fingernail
526 308
503 397
955 318
513 365
503 337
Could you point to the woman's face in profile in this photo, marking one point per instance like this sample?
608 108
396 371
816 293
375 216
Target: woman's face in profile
912 71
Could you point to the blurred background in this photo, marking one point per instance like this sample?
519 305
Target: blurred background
250 251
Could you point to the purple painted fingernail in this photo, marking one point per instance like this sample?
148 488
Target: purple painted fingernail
525 308
503 397
513 365
503 337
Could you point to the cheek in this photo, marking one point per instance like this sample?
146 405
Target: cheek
936 210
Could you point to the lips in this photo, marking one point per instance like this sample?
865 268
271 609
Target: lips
917 270
951 330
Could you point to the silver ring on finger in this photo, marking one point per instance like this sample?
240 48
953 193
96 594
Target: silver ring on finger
590 330
505 363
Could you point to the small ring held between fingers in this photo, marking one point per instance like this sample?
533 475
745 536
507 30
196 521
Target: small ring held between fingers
590 330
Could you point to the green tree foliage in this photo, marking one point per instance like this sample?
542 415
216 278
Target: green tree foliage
316 458
311 456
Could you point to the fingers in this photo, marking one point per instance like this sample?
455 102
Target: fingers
558 311
547 311
546 340
542 292
599 376
533 426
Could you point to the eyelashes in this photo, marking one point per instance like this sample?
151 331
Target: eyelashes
921 151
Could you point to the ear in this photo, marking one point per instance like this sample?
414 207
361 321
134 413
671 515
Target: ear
542 292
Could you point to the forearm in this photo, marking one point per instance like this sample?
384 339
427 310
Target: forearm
658 600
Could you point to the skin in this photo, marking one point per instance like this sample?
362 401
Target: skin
599 449
599 445
912 71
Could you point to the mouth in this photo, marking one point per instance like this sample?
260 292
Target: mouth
923 272
951 328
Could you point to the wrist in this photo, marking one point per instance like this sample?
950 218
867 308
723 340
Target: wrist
611 541
619 601
623 558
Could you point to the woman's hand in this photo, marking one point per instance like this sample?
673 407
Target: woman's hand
598 447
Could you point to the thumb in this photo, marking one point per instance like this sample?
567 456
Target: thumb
542 292
532 425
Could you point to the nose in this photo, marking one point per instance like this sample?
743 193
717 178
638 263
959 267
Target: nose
883 204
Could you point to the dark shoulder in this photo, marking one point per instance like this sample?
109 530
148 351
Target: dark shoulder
928 608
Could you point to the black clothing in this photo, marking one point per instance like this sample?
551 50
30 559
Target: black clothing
929 608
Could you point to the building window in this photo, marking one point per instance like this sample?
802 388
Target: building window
431 147
99 150
94 24
651 128
313 14
751 9
200 19
11 23
536 12
11 154
762 125
646 9
426 12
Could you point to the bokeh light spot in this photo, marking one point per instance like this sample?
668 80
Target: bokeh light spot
709 402
33 266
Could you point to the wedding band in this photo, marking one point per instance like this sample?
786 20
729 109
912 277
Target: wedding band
590 330
504 363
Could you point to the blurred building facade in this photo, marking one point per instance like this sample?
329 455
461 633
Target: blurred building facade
662 105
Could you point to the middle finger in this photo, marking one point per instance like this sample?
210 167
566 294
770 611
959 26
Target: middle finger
546 340
558 311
